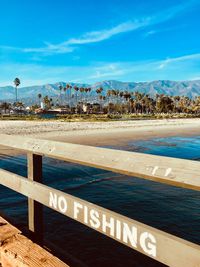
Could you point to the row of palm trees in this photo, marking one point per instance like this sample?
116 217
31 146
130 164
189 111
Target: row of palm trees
115 100
124 101
137 102
71 92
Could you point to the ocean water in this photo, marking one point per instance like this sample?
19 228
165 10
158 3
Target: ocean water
172 209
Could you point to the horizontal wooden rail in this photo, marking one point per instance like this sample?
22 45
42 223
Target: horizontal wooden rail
173 171
161 246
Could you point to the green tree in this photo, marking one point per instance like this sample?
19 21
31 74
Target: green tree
47 102
5 106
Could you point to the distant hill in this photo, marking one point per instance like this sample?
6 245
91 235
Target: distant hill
187 88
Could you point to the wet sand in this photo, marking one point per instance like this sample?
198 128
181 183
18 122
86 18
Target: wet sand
123 136
99 133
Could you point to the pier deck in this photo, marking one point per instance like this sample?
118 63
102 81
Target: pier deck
18 251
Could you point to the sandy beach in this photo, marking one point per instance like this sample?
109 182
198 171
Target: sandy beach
100 133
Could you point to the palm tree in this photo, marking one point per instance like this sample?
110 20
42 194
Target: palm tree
117 95
70 93
39 97
82 90
65 91
101 104
89 91
68 88
99 91
47 102
113 94
86 91
164 104
17 83
60 88
109 93
127 96
76 88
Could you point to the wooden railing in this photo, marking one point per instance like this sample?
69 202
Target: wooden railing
159 245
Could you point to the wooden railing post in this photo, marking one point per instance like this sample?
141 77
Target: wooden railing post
35 209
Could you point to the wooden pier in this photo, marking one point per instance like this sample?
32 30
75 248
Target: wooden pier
159 245
18 251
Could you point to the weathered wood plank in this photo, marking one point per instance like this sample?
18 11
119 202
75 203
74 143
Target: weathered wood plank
178 172
17 250
161 246
24 253
7 230
35 209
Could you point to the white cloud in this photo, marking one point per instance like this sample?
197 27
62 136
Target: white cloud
89 37
168 61
150 33
98 36
50 49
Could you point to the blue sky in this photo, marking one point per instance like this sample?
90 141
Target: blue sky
47 41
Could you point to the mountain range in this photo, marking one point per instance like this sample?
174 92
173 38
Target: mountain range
187 88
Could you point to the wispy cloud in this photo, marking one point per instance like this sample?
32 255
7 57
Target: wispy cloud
71 44
163 64
98 36
169 14
161 30
184 67
50 49
158 30
89 37
152 32
107 70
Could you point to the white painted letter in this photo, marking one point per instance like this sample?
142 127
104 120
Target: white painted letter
130 235
85 214
110 225
77 206
150 247
168 171
154 170
53 200
118 229
94 221
62 204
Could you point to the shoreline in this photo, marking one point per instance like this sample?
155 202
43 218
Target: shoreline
116 133
121 136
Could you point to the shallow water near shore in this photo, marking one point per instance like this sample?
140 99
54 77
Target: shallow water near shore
168 208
